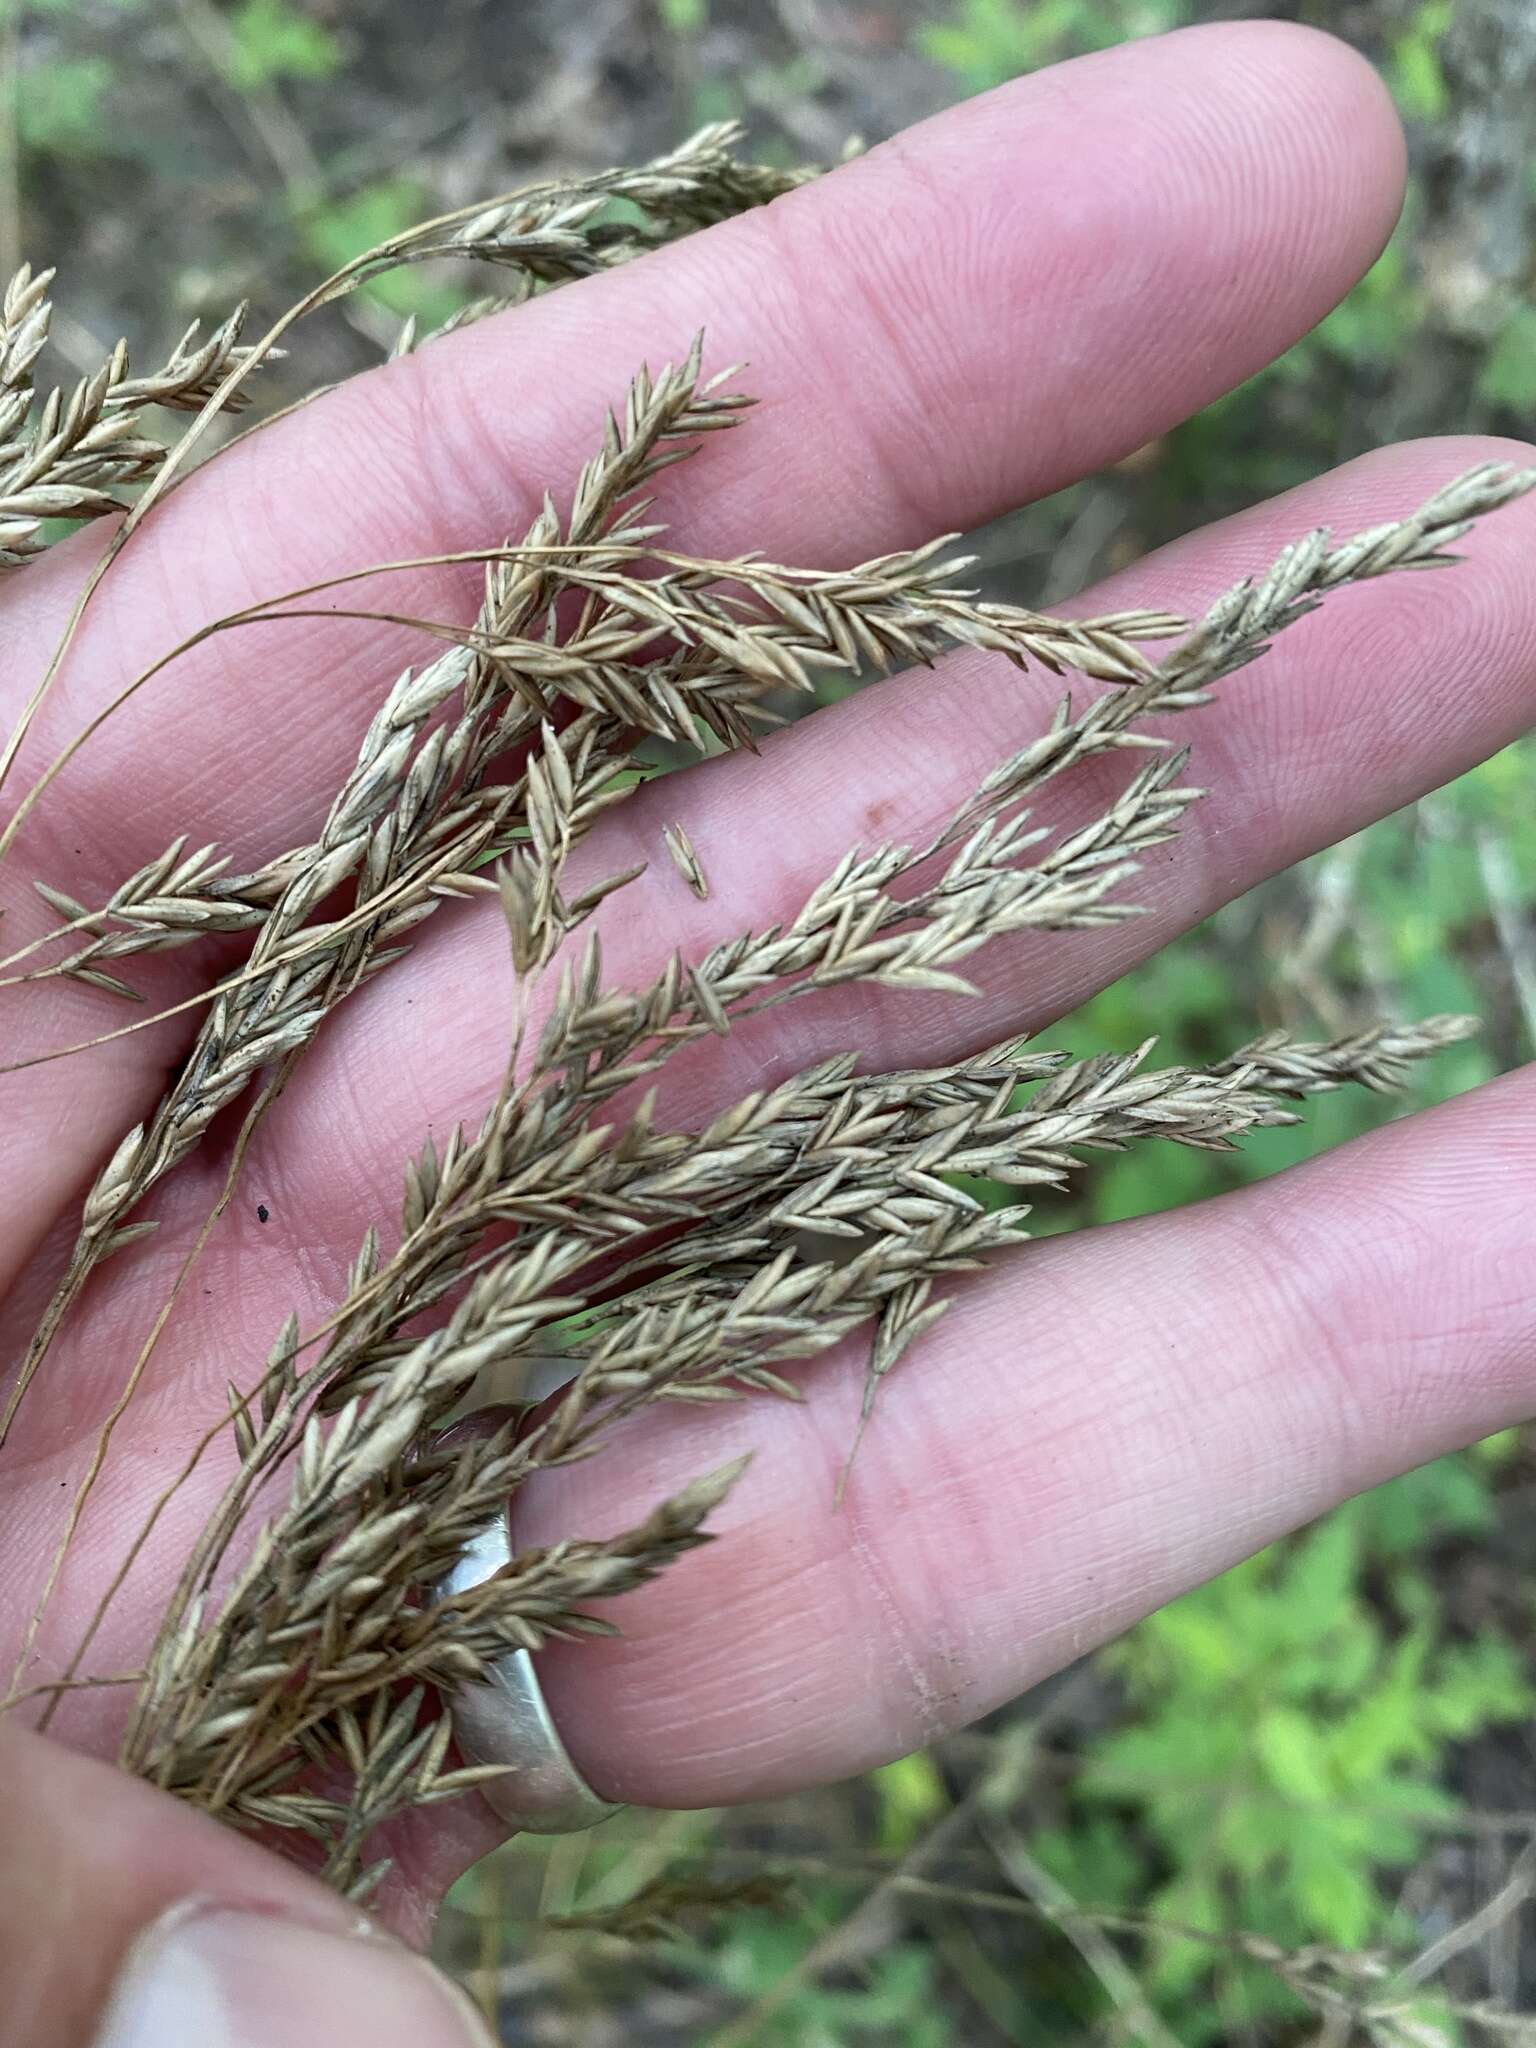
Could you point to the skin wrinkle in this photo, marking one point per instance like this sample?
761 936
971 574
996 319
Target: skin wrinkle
454 456
1394 1235
1060 1517
1293 1288
928 1674
894 375
879 424
1229 183
1162 1387
766 1665
254 1272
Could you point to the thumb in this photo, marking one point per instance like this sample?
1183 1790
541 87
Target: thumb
129 1921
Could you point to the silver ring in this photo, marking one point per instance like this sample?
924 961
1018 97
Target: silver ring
506 1720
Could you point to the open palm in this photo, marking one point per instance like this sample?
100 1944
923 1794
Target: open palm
981 311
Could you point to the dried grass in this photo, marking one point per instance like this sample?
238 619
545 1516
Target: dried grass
295 1684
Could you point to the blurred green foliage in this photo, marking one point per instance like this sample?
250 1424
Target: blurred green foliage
1287 1730
1413 63
685 17
60 111
271 40
335 231
893 1997
61 108
987 42
1283 1752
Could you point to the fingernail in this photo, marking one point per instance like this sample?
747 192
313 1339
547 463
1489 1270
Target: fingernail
207 1976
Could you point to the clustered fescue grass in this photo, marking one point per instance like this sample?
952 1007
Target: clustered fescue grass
296 1683
69 456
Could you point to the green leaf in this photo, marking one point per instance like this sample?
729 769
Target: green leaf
1418 81
1096 1857
912 1796
1417 78
1337 1901
60 107
1319 1581
1508 375
336 233
1446 1498
271 40
1293 1756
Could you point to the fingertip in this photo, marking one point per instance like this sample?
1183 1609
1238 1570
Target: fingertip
1303 138
1338 97
1091 252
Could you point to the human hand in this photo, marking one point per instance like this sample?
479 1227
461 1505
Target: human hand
1013 295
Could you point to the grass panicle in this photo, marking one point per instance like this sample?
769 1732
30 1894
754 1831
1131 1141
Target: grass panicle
296 1682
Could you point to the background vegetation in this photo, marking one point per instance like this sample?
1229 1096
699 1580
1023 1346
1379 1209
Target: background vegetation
1326 1747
